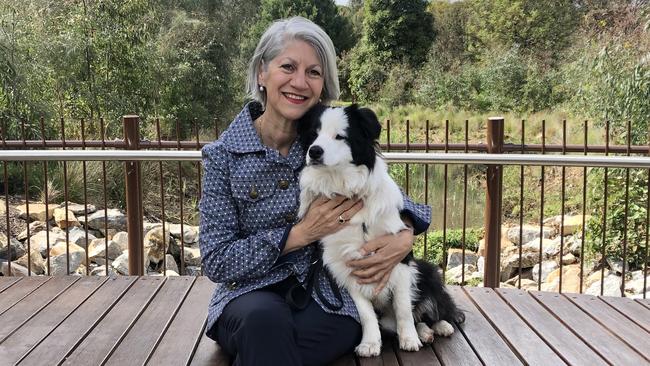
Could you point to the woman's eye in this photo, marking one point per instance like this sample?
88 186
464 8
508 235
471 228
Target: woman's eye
288 67
315 73
339 137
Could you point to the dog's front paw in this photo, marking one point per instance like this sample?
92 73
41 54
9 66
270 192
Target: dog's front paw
425 333
368 349
409 343
443 328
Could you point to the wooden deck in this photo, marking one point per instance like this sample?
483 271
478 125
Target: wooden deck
159 321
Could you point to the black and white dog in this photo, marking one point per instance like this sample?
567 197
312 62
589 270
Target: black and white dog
343 158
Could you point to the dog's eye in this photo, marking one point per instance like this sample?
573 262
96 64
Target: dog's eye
339 137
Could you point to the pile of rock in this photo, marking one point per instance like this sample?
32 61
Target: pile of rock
83 240
533 259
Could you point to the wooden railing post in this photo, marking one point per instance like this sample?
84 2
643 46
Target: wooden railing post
133 192
491 275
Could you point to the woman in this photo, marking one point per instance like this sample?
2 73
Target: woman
251 242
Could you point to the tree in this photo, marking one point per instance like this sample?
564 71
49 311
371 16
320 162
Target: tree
399 29
322 12
394 32
541 28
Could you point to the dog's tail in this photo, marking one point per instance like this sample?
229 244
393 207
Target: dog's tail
434 303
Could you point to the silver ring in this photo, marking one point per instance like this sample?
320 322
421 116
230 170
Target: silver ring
342 220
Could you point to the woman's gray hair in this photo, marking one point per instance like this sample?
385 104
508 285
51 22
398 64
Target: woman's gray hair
273 42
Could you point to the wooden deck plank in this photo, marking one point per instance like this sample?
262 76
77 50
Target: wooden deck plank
71 331
560 338
386 358
14 294
425 356
633 310
487 342
38 327
184 333
455 350
598 337
141 339
6 282
644 302
104 337
208 353
31 304
622 327
530 346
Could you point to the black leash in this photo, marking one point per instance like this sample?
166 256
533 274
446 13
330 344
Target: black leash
298 298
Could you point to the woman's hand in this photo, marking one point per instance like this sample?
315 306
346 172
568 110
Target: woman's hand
322 218
386 252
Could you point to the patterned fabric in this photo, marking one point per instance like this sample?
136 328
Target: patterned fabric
249 203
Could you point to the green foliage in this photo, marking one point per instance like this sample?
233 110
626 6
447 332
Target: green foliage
436 248
542 28
616 212
401 29
322 12
394 32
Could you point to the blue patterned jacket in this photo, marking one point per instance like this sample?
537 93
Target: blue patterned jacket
249 203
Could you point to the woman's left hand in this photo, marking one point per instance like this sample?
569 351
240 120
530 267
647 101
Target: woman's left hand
387 251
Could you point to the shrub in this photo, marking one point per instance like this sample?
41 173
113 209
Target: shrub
436 248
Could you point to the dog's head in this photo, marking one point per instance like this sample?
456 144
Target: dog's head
339 135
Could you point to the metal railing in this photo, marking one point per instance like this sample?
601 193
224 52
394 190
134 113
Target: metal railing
494 154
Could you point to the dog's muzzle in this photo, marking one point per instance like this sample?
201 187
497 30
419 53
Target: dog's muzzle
315 155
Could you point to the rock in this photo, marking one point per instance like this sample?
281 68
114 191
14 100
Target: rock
528 285
573 245
453 276
170 273
116 220
38 264
36 211
547 268
635 284
122 238
529 232
617 265
572 223
171 263
34 227
612 286
17 248
97 250
455 257
79 209
64 221
510 259
121 263
190 233
156 244
40 240
192 256
193 271
570 280
16 269
569 259
77 235
59 259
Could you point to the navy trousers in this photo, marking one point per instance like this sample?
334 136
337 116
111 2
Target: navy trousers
260 328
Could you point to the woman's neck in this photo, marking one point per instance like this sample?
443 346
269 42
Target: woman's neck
276 133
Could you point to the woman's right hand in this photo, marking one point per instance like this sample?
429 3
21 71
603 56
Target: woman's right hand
322 219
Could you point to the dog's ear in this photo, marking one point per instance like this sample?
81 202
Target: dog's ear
370 123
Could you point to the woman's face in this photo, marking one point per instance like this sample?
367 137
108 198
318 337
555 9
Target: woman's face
293 81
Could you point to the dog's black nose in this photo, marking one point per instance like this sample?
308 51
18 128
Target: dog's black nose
315 152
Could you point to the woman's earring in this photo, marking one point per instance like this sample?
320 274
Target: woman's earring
261 89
